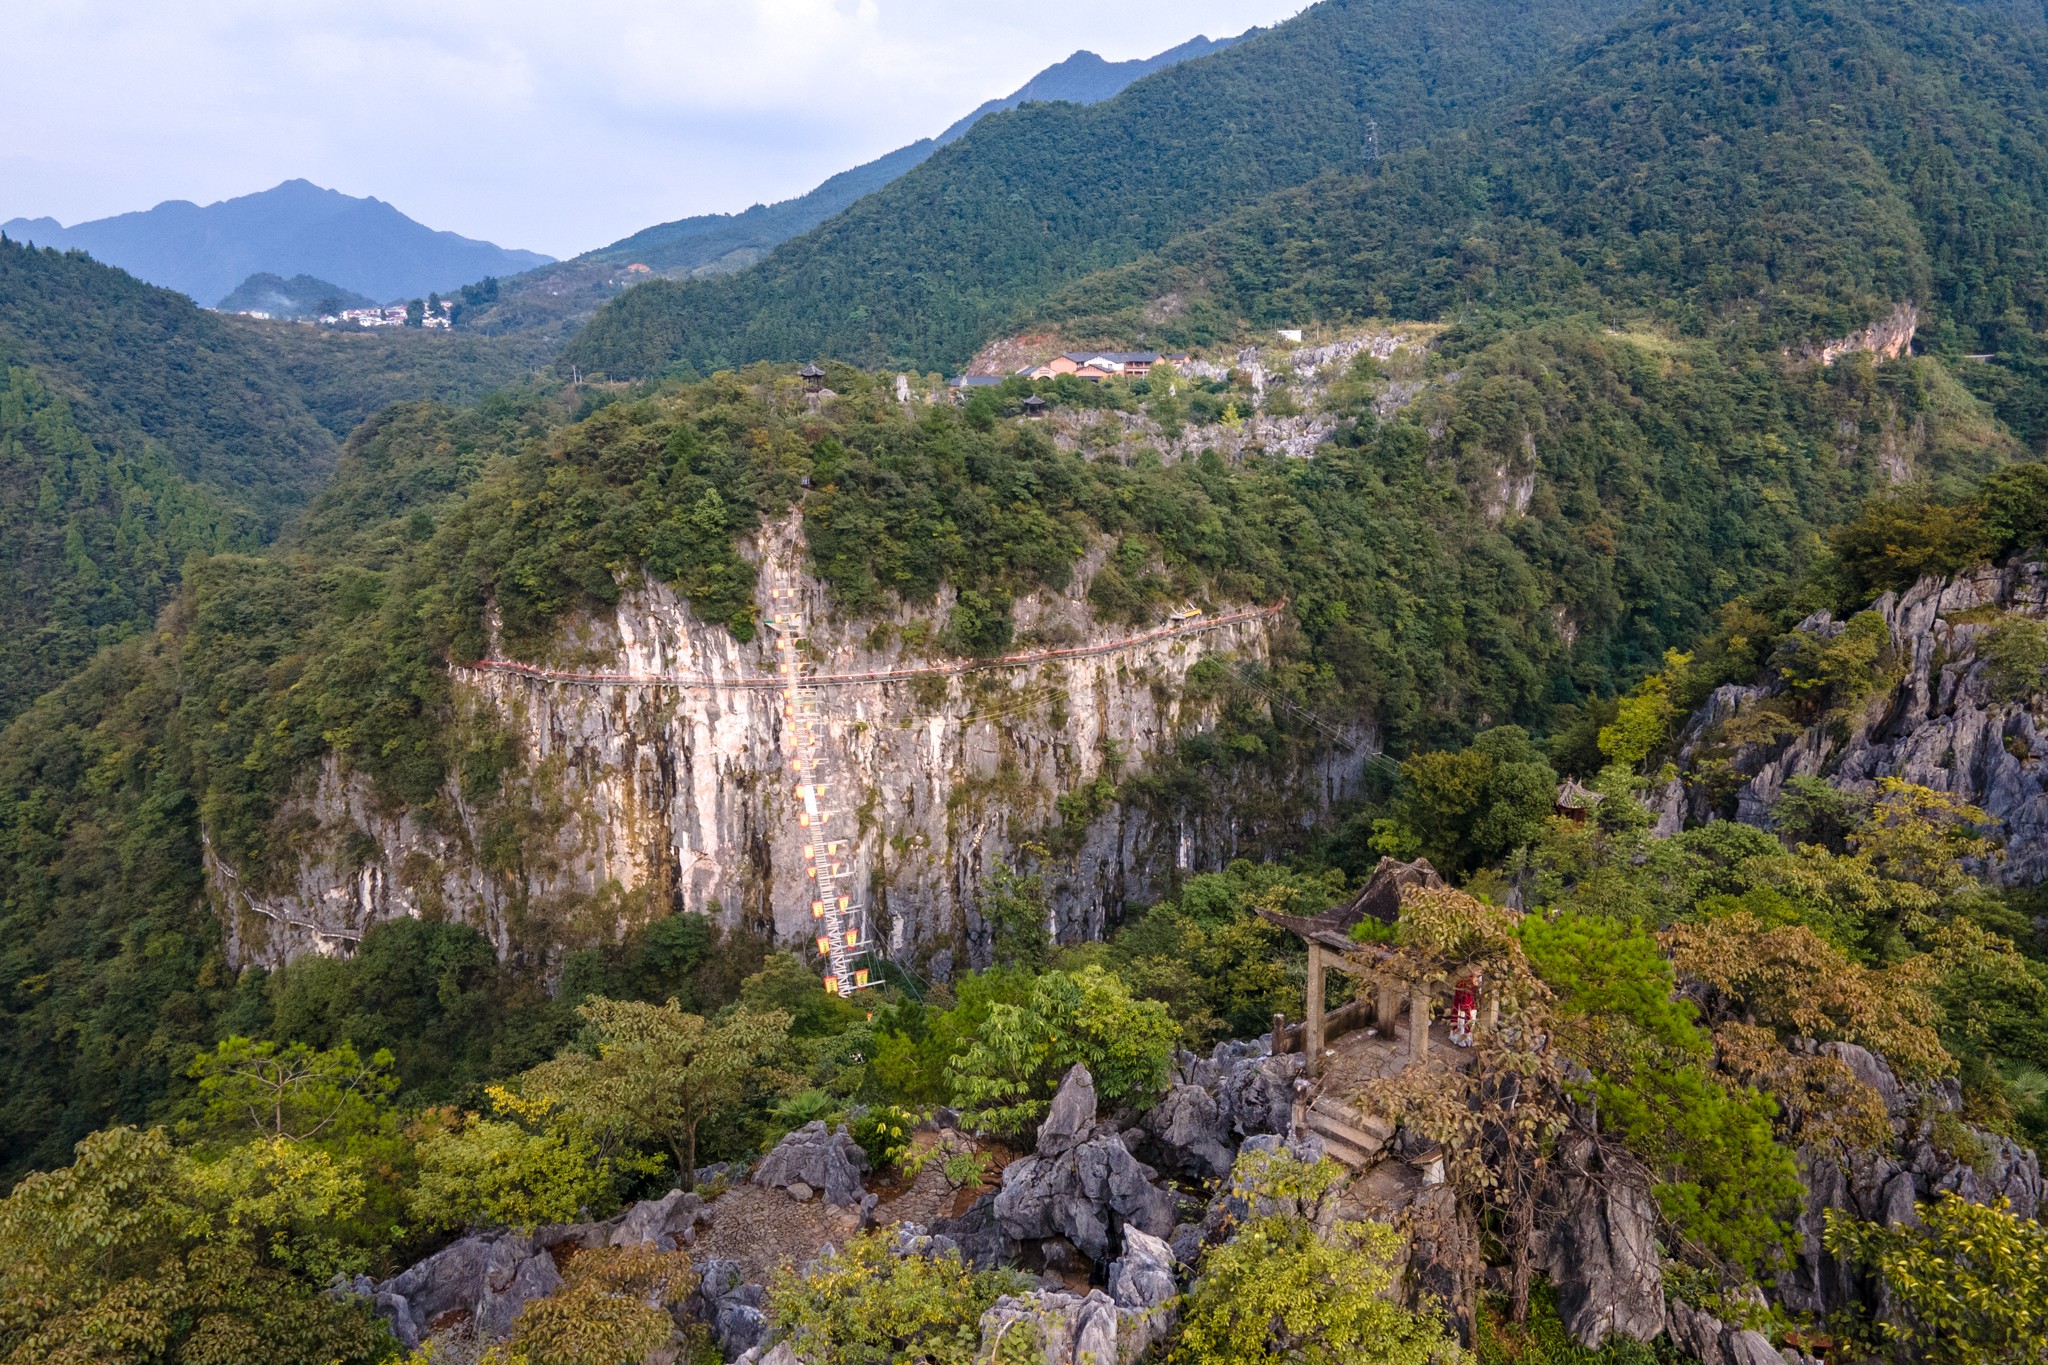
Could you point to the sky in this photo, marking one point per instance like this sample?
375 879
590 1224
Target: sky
550 126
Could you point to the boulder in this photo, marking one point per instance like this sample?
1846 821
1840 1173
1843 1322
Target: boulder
489 1277
911 1239
813 1159
665 1224
1083 1184
732 1308
1705 1338
739 1326
1142 1277
980 1235
1189 1133
1603 1249
1070 1329
1071 1116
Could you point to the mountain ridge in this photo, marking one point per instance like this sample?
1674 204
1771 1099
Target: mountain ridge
918 272
293 228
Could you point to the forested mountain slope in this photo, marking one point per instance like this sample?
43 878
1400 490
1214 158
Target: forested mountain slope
1083 78
135 430
1532 522
919 272
141 363
1774 171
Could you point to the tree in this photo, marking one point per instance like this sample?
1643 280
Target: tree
1644 718
1919 835
1013 908
1278 1292
116 1258
288 1202
1973 1280
613 1306
657 1071
1474 806
866 1306
1005 1079
1790 979
494 1173
294 1092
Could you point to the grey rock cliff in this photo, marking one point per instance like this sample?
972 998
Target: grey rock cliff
675 796
1939 727
1602 1248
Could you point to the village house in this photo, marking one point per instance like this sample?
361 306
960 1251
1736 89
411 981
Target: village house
1097 366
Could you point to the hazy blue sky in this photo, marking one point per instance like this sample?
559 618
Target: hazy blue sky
556 127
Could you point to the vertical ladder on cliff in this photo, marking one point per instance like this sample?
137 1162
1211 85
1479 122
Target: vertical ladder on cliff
836 913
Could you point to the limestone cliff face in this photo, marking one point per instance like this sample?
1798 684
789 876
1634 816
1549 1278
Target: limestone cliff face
1939 726
635 799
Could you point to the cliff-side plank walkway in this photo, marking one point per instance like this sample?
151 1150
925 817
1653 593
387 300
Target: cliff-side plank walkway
769 682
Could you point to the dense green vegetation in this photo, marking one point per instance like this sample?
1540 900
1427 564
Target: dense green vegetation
1666 483
141 366
137 430
921 271
305 1152
91 541
1772 172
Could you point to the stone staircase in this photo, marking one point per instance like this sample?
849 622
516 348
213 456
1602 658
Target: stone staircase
1353 1138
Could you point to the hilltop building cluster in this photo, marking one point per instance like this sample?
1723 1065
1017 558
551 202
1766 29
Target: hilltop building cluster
439 313
1093 366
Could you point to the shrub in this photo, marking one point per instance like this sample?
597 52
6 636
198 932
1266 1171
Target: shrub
1006 1077
884 1133
493 1173
865 1306
1973 1280
1279 1292
2015 655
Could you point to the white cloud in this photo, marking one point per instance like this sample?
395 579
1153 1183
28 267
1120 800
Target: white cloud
551 126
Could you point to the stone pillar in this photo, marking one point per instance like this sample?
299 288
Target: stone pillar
1418 1026
1489 1012
1312 1027
1386 1010
1279 1033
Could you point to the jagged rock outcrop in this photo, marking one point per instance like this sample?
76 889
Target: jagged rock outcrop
1082 1184
1708 1340
983 1242
1071 1329
1939 727
1887 1187
735 1310
1240 1090
673 796
814 1160
1890 337
1602 1246
665 1224
484 1280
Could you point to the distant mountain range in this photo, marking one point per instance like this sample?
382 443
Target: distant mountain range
714 243
297 228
